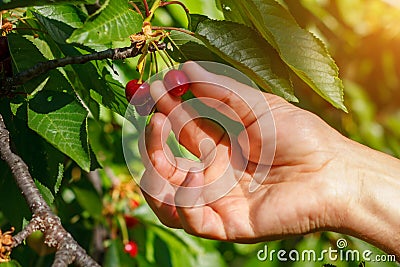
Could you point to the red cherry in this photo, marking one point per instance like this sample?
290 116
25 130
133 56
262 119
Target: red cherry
176 82
130 221
131 248
137 93
146 108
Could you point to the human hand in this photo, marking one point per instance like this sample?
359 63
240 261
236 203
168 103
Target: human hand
295 198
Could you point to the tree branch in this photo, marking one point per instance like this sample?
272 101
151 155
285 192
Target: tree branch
43 67
43 219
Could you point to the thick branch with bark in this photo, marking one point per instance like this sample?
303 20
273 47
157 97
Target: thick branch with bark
43 219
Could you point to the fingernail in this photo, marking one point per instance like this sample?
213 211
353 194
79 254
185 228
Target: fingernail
189 178
191 175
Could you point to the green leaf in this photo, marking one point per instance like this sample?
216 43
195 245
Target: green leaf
77 74
45 192
9 4
195 20
59 21
211 259
182 250
116 22
195 52
12 263
20 47
94 84
112 254
180 38
67 14
60 49
174 246
108 91
39 51
234 12
62 121
53 50
41 157
244 49
186 47
303 52
17 208
59 31
89 201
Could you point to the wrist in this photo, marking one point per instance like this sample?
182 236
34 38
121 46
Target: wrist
369 204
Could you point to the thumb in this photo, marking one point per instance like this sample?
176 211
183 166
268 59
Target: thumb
189 194
195 217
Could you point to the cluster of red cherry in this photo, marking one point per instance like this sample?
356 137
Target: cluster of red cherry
138 94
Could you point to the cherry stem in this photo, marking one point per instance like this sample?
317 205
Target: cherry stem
166 3
136 8
169 58
124 229
156 62
172 29
175 3
151 65
146 6
163 57
156 4
144 66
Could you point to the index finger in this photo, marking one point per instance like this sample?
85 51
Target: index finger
245 101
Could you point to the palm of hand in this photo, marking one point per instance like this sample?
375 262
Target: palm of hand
288 201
